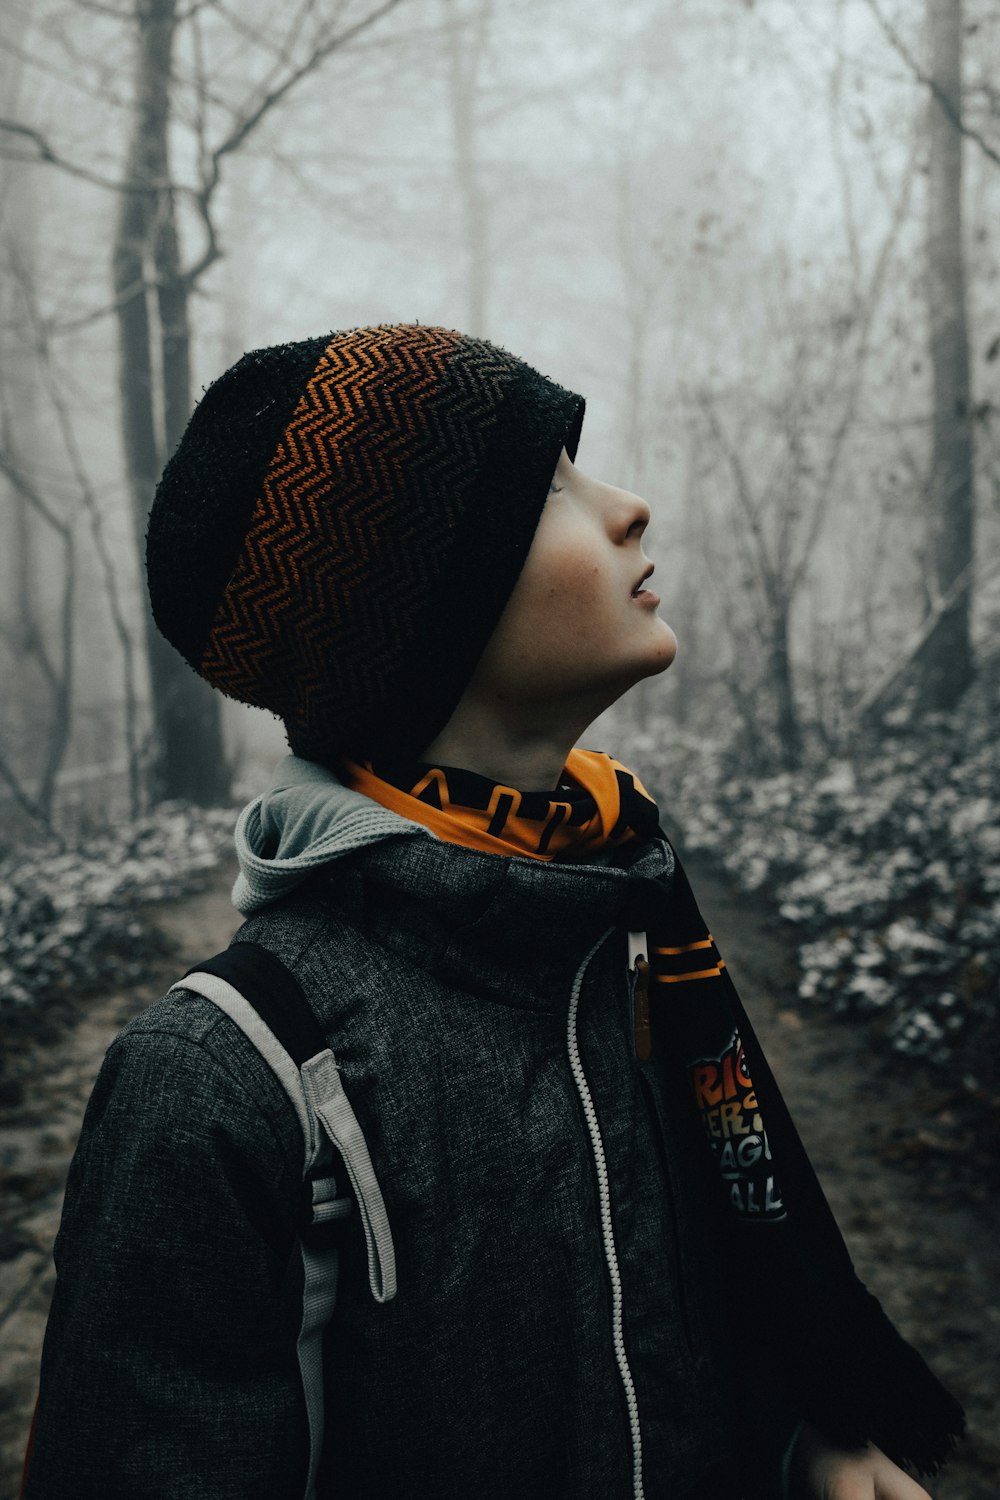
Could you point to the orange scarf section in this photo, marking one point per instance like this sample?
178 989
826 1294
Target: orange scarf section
535 825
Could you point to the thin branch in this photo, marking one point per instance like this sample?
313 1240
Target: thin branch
953 114
920 637
244 125
744 494
54 329
862 349
29 638
69 76
747 701
20 481
57 682
60 684
98 8
273 95
836 140
90 505
25 801
46 153
199 123
257 35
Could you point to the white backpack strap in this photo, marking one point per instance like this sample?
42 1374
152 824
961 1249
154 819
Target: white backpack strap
272 1012
327 1100
238 1009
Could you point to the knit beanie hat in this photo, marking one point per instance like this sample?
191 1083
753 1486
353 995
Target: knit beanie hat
343 523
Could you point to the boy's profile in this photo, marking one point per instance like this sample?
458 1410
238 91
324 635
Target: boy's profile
588 1258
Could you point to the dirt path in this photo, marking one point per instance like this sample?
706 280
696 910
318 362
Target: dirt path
931 1257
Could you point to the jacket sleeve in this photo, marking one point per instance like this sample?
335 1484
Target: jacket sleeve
170 1365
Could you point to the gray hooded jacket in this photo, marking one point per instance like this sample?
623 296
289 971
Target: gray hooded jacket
562 1326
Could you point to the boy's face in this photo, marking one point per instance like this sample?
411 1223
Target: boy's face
579 624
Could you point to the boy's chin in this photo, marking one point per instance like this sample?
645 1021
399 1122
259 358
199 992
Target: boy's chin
652 664
664 652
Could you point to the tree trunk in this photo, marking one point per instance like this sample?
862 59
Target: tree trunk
466 38
789 733
946 660
188 759
40 669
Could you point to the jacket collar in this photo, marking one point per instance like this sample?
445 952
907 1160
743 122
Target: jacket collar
512 928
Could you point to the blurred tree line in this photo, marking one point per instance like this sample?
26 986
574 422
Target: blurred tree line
756 234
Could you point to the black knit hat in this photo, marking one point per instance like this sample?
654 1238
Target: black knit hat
343 523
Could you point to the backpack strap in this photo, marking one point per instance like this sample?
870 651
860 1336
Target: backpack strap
268 1004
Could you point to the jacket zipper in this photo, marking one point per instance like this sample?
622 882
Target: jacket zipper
607 1228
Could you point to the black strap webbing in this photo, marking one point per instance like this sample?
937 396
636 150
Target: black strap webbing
274 993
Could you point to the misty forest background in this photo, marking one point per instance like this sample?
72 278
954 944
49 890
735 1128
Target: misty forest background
761 236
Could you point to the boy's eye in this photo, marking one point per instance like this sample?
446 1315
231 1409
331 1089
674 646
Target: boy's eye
554 489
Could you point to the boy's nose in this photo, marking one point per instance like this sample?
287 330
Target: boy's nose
637 514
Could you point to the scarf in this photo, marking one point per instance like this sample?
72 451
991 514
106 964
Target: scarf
599 804
850 1372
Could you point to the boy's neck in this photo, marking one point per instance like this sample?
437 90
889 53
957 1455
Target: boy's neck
529 760
522 744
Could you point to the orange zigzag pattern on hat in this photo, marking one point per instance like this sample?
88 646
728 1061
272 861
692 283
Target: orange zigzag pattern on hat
332 529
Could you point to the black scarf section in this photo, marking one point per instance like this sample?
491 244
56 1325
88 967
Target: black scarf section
846 1367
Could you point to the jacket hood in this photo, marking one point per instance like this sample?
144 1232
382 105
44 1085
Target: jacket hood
305 819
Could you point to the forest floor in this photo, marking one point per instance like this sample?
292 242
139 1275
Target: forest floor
922 1238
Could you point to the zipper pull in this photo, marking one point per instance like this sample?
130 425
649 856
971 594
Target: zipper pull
638 962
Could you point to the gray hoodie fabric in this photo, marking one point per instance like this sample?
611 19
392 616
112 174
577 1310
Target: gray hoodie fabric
306 819
562 1325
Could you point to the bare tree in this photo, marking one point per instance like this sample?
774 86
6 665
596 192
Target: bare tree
153 282
782 512
31 781
154 372
36 510
153 289
935 80
776 552
946 657
465 46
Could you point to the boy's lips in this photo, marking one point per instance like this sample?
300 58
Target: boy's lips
646 596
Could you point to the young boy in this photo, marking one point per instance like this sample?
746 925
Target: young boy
586 1257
